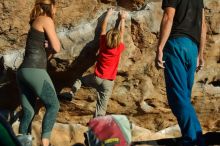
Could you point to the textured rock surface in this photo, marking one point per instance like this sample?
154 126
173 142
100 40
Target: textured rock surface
73 133
63 135
139 90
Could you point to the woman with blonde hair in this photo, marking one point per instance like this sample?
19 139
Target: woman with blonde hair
32 77
111 47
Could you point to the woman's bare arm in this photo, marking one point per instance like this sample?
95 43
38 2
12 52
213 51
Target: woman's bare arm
49 28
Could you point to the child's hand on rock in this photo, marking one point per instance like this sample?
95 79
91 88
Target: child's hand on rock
110 11
123 14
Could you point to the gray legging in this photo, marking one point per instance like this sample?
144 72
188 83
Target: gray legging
104 88
35 83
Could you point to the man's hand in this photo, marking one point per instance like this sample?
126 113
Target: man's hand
159 60
200 63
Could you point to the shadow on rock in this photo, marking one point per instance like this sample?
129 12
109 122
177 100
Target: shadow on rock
82 63
78 144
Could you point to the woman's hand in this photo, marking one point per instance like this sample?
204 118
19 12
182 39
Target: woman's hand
49 50
46 44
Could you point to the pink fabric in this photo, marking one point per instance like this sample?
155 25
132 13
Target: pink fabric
106 128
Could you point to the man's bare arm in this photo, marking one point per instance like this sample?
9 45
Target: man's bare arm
165 30
202 43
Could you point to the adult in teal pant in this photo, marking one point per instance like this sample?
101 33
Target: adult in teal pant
180 56
181 43
34 82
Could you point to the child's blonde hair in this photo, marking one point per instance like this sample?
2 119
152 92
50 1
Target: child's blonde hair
113 38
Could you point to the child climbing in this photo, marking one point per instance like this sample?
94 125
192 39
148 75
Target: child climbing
111 47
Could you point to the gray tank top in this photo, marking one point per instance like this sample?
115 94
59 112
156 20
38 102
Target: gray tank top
35 54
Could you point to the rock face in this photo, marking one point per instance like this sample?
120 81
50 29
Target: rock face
73 133
139 90
63 134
